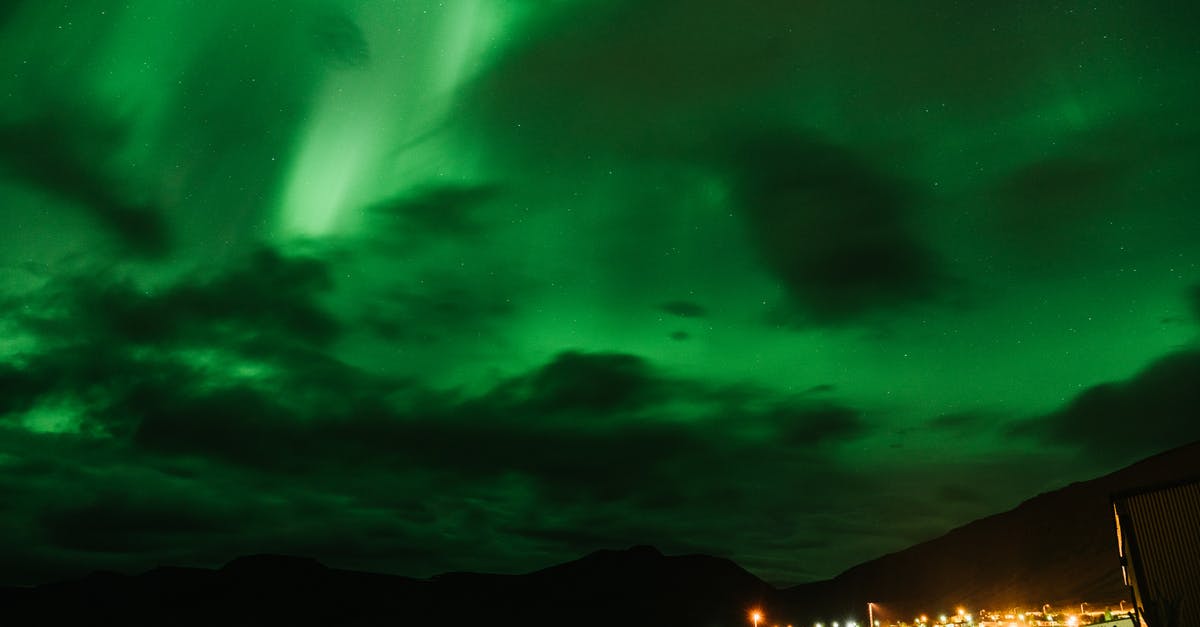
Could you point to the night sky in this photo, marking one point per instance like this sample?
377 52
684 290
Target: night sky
422 286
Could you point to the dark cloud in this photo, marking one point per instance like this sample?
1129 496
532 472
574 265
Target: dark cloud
242 424
809 426
1064 194
1150 412
109 344
588 382
520 428
1053 182
966 422
610 75
439 302
67 155
598 424
440 308
7 8
684 309
18 390
126 522
312 414
634 398
834 228
1076 196
1090 189
267 294
73 503
645 76
957 493
450 210
339 39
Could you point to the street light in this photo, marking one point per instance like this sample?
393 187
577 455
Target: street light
870 614
756 616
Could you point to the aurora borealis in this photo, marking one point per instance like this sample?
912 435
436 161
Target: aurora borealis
419 286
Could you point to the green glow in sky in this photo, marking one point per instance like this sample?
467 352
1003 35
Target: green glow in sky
488 284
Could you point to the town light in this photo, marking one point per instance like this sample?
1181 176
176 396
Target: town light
756 616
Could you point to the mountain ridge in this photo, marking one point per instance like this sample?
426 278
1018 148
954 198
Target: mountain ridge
1067 551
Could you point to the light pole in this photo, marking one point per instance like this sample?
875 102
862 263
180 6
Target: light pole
756 616
870 614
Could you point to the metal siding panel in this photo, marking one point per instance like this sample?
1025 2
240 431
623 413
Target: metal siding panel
1163 529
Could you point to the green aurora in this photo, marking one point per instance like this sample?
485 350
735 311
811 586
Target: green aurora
420 286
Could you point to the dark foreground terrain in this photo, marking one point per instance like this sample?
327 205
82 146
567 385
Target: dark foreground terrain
1057 547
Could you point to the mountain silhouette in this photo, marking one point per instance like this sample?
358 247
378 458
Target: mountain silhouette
1058 547
634 586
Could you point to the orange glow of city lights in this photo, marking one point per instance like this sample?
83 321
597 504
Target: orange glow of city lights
756 616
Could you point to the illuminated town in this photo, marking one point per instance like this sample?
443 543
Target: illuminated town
1120 615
